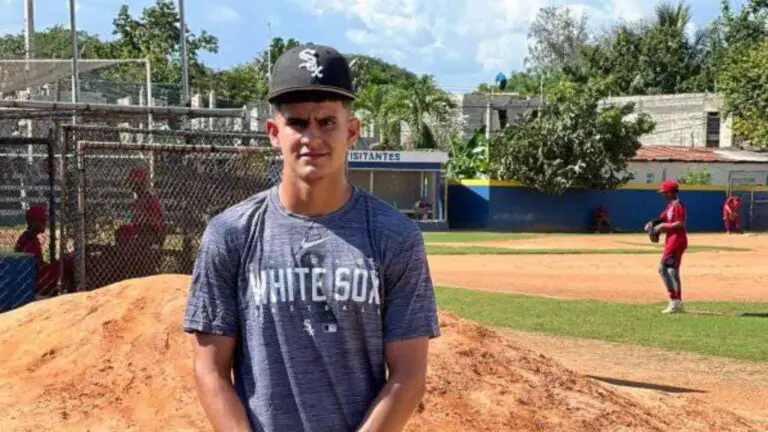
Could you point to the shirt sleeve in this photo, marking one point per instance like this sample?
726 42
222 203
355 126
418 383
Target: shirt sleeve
212 304
410 308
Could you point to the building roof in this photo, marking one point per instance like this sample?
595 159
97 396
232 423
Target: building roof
698 154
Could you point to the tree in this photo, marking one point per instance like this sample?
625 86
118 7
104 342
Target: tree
698 175
52 43
424 107
743 82
571 142
377 108
468 159
156 35
557 35
743 70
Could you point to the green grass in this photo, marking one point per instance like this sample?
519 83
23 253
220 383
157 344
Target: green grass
472 236
724 335
437 249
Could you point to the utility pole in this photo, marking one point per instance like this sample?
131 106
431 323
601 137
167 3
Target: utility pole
75 54
184 56
269 52
29 29
29 48
269 59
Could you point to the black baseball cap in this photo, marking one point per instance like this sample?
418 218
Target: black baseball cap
311 67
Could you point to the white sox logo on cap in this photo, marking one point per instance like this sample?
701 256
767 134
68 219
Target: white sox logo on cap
310 62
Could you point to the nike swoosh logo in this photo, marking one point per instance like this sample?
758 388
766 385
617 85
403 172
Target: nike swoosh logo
305 244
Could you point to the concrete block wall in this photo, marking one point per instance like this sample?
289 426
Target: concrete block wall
681 119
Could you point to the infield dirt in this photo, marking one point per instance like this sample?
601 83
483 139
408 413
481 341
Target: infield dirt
632 278
116 360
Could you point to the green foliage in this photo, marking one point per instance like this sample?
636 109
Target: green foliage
743 77
558 35
698 175
468 159
156 35
658 57
424 107
570 142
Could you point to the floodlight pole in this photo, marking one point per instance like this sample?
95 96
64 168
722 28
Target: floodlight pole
29 29
29 48
184 58
75 54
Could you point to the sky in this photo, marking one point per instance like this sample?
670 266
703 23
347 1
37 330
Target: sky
461 42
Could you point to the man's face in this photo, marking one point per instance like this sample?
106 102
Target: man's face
37 226
313 138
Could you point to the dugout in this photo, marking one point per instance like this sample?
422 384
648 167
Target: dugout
402 179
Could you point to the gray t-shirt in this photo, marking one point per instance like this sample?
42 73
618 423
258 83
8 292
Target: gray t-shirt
312 302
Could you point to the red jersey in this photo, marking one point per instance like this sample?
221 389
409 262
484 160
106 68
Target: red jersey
677 239
29 243
732 204
145 210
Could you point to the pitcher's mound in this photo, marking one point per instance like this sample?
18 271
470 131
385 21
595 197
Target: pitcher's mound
116 360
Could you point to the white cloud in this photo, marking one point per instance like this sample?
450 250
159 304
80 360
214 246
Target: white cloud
361 37
491 32
224 14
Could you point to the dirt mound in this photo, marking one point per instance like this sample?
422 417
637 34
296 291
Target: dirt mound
116 360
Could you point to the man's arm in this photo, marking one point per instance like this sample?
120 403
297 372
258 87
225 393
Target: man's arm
213 376
407 365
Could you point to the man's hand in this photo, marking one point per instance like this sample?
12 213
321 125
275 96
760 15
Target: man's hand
407 364
213 376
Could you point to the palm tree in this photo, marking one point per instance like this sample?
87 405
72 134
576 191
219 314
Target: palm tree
673 16
423 106
377 108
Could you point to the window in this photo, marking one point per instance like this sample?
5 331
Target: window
713 129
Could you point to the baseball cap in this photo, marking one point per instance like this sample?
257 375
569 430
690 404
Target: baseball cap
311 67
669 186
37 213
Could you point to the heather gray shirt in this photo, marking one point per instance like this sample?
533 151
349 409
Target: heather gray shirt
312 302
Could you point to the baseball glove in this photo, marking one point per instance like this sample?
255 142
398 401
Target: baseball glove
654 237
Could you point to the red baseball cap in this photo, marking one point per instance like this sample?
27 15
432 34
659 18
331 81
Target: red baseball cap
669 186
37 213
139 175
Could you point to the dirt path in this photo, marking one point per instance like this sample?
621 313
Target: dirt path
732 384
710 276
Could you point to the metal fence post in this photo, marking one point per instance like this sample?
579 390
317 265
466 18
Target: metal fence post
81 215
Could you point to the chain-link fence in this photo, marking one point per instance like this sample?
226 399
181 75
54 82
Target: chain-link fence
38 119
28 186
137 201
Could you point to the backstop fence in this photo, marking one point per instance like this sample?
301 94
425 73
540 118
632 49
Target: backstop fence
137 202
198 161
27 179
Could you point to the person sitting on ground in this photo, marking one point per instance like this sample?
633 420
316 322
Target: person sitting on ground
600 221
47 274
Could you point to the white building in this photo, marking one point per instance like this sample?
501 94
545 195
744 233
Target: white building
686 120
654 164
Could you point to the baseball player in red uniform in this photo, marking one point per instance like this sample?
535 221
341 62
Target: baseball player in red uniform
47 274
672 222
731 216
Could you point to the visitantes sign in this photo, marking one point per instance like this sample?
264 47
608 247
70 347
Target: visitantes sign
362 156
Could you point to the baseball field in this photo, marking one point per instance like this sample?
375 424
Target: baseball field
540 332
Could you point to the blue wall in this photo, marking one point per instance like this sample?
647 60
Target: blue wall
519 209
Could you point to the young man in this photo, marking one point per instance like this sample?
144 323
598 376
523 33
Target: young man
672 222
47 274
731 214
315 293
